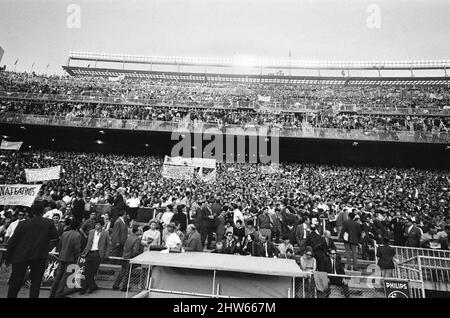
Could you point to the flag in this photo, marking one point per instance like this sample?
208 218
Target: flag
290 54
15 63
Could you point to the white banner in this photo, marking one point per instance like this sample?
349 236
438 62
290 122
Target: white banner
116 79
188 168
34 175
262 98
178 172
11 145
18 194
193 162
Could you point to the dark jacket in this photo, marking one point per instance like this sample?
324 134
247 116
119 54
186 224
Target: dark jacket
339 270
229 248
354 231
119 233
31 240
299 234
205 220
271 250
70 246
193 242
181 218
132 246
264 221
413 237
103 244
385 254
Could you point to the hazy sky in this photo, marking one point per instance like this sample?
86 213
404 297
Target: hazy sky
36 30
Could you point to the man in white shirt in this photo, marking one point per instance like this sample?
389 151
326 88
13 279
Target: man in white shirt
133 204
172 240
53 210
237 215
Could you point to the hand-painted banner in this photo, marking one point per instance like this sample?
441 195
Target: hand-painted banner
18 194
178 172
11 145
262 98
44 174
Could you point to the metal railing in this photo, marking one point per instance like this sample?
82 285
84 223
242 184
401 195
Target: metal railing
200 127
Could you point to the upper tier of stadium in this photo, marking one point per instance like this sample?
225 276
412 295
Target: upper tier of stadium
244 69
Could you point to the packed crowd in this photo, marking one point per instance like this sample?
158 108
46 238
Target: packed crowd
70 110
289 96
298 212
301 192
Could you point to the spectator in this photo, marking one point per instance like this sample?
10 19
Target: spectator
351 234
192 240
412 234
206 224
151 237
266 248
96 250
29 247
119 235
132 248
229 245
386 254
301 234
69 251
173 240
307 261
133 204
12 227
264 223
286 249
318 245
334 266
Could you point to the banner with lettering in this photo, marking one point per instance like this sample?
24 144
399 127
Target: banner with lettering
11 145
396 288
178 172
44 174
18 194
188 168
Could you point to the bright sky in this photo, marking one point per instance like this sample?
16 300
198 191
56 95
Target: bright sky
37 31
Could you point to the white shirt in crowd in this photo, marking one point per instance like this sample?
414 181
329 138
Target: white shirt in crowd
95 241
166 217
49 214
133 202
12 227
67 199
173 240
237 215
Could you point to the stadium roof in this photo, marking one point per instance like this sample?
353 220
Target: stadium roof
263 63
257 79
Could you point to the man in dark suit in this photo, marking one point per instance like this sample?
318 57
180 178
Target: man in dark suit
385 254
70 249
78 208
119 235
301 234
229 244
412 234
333 265
206 224
29 247
97 249
351 234
319 246
193 241
118 205
132 248
266 248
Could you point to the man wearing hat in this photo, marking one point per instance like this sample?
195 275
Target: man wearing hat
97 249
